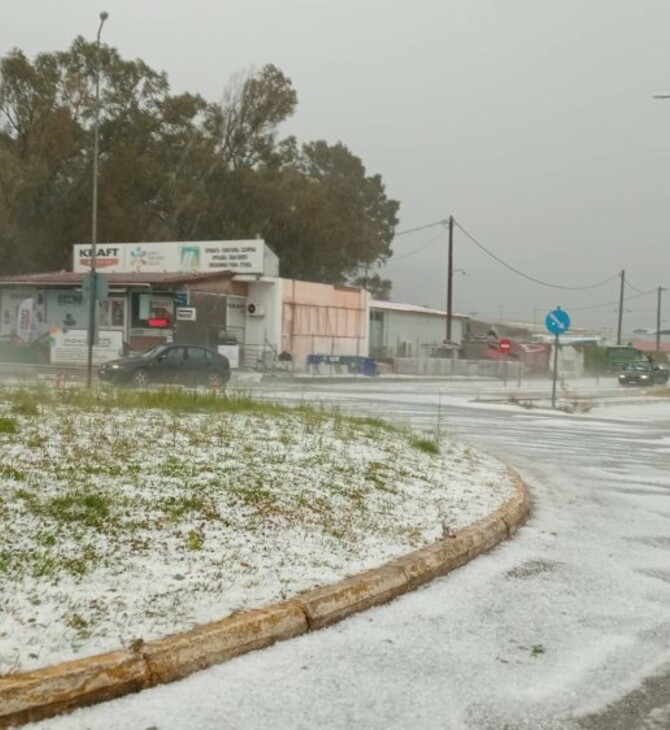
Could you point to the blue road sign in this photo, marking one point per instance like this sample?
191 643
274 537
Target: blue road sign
557 322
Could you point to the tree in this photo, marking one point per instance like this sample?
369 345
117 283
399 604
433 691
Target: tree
174 167
379 288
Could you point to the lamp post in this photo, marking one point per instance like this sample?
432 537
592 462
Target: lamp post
94 209
660 288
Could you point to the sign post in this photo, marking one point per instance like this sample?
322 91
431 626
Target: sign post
557 322
505 345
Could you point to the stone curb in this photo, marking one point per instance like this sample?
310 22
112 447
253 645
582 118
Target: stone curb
32 696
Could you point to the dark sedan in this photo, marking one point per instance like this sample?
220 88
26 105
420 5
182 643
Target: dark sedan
643 373
168 364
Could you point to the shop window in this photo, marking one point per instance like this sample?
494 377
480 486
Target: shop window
112 313
151 311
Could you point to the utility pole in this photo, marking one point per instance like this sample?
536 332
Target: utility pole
450 277
620 322
658 320
93 294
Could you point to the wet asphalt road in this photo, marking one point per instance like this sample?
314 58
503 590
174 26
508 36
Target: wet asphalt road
597 455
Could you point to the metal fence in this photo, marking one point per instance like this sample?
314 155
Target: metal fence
445 366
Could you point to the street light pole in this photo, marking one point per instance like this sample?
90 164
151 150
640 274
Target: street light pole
94 211
660 288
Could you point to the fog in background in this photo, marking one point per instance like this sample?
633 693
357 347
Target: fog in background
530 121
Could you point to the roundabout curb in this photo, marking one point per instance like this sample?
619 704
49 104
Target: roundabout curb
36 695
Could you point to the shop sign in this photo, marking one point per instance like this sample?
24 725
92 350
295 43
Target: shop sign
244 257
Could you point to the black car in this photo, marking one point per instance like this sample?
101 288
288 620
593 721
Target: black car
167 364
643 373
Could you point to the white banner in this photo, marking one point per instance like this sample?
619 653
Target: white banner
70 347
232 352
25 319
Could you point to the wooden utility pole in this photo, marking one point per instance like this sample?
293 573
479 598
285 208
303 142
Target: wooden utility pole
620 322
450 277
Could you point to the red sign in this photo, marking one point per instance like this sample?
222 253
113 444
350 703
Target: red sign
505 345
158 322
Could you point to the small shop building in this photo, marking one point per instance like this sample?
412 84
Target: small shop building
223 294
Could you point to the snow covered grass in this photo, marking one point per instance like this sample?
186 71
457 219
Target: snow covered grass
128 515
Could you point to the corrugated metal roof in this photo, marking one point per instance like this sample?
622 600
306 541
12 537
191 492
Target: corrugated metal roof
414 308
69 278
646 346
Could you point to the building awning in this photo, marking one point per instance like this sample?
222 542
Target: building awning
57 279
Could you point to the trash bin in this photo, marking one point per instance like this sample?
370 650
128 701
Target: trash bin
369 367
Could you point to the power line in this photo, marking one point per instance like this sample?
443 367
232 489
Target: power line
423 246
421 228
639 291
611 304
527 276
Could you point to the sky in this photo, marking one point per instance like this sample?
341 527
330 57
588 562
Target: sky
530 121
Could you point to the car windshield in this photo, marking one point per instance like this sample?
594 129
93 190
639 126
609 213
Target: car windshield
153 352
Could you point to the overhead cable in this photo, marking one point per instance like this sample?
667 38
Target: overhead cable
611 304
639 291
528 276
393 259
421 228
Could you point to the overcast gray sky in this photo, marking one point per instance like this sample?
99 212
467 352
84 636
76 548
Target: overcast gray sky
530 121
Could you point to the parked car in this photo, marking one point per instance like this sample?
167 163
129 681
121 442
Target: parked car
643 373
167 364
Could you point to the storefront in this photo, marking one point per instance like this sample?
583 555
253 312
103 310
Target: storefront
50 312
222 294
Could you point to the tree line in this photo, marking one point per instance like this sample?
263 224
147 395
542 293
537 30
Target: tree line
176 167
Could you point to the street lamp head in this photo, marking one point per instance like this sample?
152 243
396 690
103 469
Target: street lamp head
104 15
661 96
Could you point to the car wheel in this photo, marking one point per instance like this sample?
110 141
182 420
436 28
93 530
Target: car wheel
140 378
214 380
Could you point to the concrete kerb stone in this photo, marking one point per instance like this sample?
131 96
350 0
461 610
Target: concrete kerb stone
182 654
32 696
330 604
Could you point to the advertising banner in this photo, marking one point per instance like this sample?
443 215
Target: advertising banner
245 257
70 347
25 319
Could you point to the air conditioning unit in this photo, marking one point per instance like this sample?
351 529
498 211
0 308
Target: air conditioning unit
255 310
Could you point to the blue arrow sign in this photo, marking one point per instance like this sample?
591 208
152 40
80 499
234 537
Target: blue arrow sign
557 322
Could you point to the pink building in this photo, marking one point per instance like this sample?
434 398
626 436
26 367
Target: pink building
322 319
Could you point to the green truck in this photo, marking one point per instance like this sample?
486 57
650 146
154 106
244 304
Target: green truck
618 356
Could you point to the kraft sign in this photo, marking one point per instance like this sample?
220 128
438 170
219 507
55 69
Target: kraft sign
244 257
106 257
